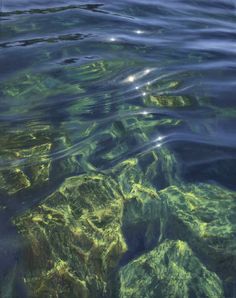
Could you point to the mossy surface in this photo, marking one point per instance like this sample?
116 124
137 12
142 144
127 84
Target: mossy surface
73 240
175 242
170 270
26 162
203 215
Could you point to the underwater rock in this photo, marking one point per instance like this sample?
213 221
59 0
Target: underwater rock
128 174
13 180
170 270
39 162
159 96
73 239
167 101
64 164
27 86
204 216
33 173
157 169
142 223
160 168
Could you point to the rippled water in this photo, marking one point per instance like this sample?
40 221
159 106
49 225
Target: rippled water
85 85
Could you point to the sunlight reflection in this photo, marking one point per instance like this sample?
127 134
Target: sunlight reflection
139 31
147 71
158 140
138 75
131 79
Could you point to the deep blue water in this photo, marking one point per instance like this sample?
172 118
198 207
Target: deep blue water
104 81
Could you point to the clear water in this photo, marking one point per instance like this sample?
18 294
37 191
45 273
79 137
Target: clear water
86 85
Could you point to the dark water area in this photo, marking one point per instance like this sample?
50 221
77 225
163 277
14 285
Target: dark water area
135 99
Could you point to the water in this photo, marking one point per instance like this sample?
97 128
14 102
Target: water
88 86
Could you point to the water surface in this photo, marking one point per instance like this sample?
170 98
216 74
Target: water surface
87 85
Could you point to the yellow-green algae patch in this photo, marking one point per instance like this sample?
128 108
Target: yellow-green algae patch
158 96
12 181
73 240
27 85
175 242
150 169
167 101
204 216
169 270
142 221
28 153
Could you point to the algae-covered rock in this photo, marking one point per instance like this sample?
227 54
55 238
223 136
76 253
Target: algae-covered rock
29 85
160 167
204 216
142 221
64 164
167 101
160 95
32 168
13 180
170 270
157 169
25 157
128 174
73 240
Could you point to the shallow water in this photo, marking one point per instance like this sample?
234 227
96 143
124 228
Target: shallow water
87 85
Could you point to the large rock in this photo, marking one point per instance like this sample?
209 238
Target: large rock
73 240
204 216
170 270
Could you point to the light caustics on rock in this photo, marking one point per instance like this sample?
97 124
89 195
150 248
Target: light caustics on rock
99 220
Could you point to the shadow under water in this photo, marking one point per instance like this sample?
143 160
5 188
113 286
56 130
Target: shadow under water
118 149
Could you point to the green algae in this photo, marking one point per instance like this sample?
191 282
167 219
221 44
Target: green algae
150 169
77 238
171 239
176 242
28 85
170 270
141 220
29 152
203 215
158 95
73 239
167 101
12 181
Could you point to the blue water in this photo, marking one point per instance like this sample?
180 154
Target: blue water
82 75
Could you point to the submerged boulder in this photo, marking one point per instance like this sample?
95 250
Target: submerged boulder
201 215
73 240
170 270
204 216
